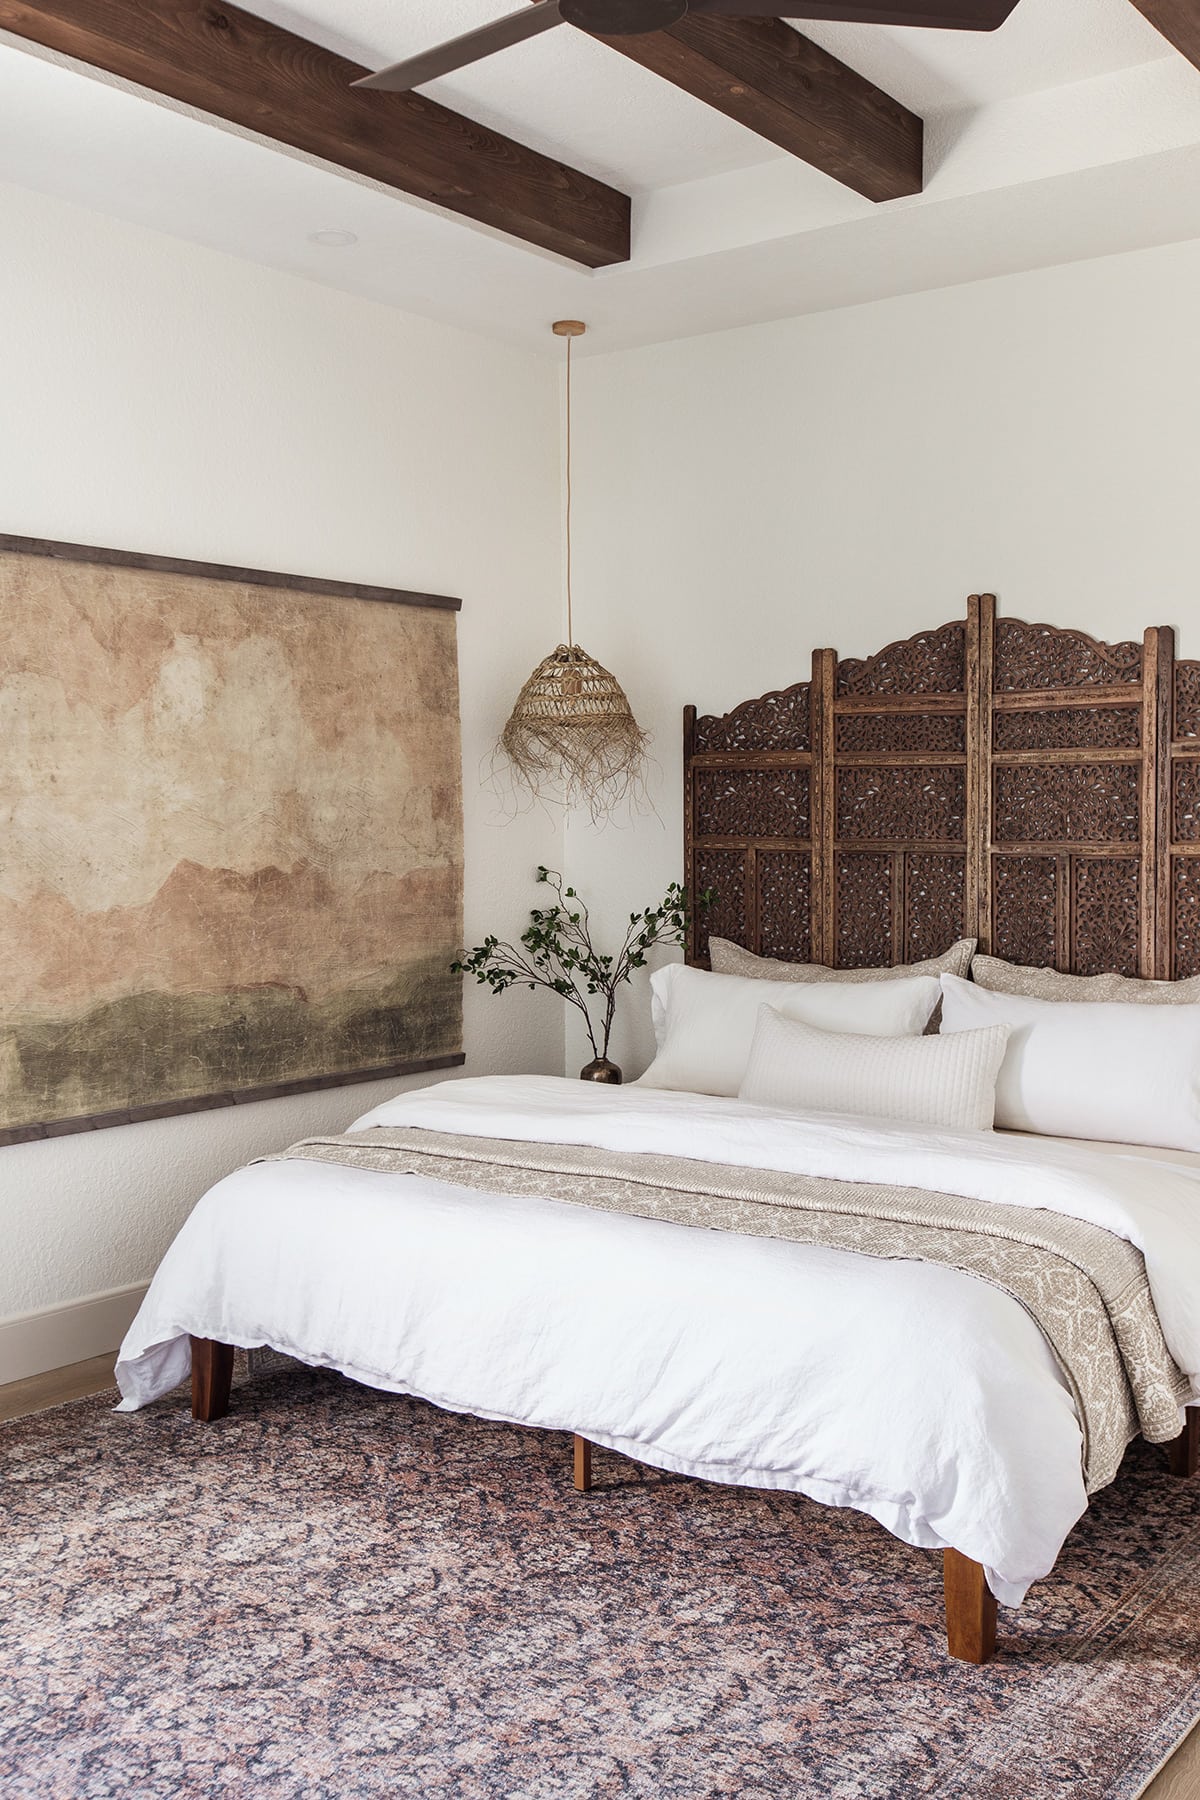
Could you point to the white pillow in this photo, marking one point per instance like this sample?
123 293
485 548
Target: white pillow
948 1081
704 1023
1087 1068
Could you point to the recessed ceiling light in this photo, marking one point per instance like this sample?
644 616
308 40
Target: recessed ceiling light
333 240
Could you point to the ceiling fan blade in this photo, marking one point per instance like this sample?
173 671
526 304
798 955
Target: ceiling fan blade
456 53
944 15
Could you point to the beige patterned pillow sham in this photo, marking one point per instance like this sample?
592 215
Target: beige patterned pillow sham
1051 984
731 959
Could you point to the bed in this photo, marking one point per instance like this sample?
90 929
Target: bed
528 1248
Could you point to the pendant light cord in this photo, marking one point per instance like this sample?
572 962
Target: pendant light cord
570 630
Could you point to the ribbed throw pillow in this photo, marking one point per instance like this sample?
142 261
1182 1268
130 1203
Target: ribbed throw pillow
944 1081
704 1024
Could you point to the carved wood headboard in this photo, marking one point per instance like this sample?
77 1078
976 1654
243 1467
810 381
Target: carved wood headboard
1028 786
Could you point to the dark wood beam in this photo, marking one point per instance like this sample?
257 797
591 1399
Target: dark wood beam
235 66
1179 22
765 75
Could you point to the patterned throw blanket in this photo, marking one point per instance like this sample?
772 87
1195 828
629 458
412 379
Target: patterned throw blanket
1084 1287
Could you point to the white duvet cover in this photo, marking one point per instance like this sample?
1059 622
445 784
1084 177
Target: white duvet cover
911 1392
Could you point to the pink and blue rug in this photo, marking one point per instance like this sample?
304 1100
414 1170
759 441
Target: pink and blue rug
337 1593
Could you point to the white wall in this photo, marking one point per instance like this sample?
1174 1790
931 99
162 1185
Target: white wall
849 478
841 479
156 396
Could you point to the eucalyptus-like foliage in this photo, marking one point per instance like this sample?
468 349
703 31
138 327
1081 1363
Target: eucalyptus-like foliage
556 952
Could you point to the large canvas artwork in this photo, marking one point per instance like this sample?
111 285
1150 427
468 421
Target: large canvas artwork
230 835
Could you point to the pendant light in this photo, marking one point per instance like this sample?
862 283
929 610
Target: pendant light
572 736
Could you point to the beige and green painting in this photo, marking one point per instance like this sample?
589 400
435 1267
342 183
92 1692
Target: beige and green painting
230 837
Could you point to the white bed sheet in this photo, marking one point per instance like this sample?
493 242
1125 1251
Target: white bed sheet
910 1392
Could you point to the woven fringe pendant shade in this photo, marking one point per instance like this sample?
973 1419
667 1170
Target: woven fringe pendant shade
572 733
572 736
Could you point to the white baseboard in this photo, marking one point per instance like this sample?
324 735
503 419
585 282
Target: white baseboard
33 1343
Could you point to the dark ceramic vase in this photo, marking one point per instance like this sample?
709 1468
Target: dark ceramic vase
601 1070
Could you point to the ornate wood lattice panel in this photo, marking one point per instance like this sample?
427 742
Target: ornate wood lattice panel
1025 909
748 823
1184 901
893 768
1179 825
934 902
784 904
776 800
1069 730
1032 787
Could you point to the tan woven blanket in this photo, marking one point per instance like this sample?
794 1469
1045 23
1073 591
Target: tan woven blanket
1085 1288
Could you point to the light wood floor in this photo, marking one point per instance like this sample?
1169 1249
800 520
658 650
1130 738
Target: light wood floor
1180 1780
72 1383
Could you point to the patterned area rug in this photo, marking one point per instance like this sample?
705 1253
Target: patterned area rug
334 1592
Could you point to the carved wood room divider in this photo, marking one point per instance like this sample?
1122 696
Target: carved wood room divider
1029 786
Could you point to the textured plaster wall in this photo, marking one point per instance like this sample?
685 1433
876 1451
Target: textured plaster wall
161 397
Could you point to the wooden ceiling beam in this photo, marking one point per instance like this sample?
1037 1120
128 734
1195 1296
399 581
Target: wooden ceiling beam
240 68
1179 22
787 89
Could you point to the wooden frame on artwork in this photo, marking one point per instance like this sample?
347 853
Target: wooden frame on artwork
234 836
1025 785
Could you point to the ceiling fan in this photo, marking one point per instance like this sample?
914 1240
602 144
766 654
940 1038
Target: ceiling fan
627 18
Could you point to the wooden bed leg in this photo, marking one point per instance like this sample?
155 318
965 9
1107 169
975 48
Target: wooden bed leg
212 1378
1183 1452
583 1464
970 1610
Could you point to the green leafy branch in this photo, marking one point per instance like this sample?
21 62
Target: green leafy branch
556 952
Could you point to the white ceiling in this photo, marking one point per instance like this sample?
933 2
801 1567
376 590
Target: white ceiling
571 97
1043 44
1073 131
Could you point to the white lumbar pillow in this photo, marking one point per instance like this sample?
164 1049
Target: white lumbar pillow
1089 1069
704 1024
947 1081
